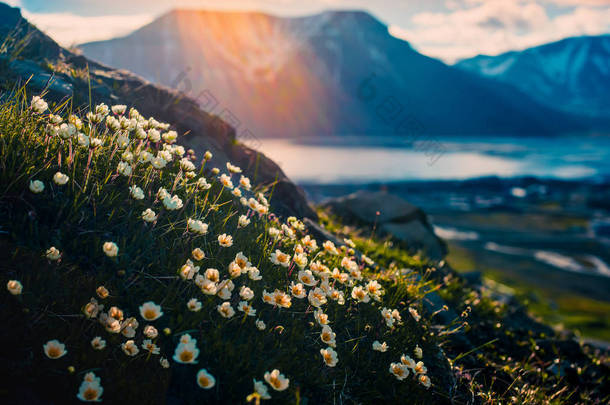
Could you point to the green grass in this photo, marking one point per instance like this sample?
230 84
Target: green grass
587 317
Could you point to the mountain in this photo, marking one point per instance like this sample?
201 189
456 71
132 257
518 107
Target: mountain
338 72
572 74
29 56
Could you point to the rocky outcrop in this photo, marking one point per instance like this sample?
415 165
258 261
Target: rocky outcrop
391 215
36 59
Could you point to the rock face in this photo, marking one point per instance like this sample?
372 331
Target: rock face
44 65
393 216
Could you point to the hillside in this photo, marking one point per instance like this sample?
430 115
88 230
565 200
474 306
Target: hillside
276 73
138 271
572 74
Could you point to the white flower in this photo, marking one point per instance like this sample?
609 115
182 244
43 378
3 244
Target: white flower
203 184
122 142
164 363
225 240
232 168
317 297
420 368
170 137
54 349
212 275
197 226
205 380
95 142
246 308
418 352
408 361
82 140
39 105
297 290
98 343
360 295
136 192
119 109
172 204
14 287
154 136
110 249
148 345
414 314
60 179
246 293
330 247
254 274
399 370
194 305
198 254
380 347
150 332
158 162
36 186
320 317
236 192
260 324
187 165
243 221
261 389
207 155
149 215
277 380
306 277
280 258
226 310
102 292
245 182
53 253
226 181
150 311
328 336
130 348
127 156
124 168
424 380
66 131
90 391
329 356
186 353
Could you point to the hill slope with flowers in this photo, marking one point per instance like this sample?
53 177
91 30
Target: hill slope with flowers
146 267
133 271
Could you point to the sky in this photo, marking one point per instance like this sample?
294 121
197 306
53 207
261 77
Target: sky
447 29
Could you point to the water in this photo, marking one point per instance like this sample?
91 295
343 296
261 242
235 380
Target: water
362 160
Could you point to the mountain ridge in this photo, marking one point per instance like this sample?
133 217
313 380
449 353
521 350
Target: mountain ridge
571 73
304 75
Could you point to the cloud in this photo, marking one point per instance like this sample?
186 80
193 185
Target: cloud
70 29
496 26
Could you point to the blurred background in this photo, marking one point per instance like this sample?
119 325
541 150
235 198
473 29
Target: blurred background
491 116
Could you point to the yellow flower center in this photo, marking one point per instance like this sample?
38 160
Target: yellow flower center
186 356
53 352
150 313
204 381
90 394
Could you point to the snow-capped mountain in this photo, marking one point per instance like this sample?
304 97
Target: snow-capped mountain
572 74
338 72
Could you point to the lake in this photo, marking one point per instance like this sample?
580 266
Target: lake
368 159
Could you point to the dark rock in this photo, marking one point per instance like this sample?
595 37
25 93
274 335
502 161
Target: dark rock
392 216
